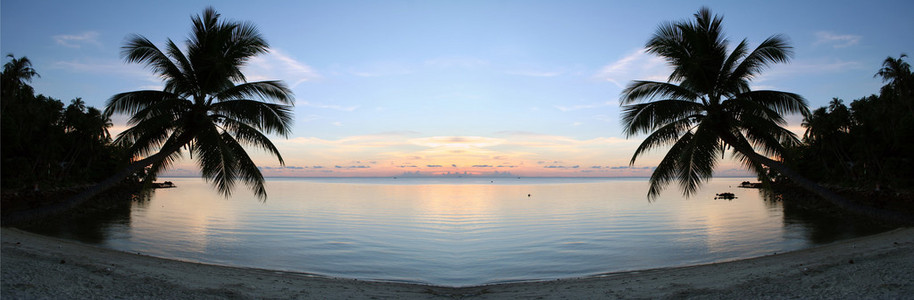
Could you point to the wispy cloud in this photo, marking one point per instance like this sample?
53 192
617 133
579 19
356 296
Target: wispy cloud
462 62
638 65
805 68
381 69
329 106
583 106
78 40
535 73
277 65
836 40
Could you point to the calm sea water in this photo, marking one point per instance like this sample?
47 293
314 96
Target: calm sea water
456 231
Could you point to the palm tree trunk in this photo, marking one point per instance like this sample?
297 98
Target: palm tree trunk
82 197
828 195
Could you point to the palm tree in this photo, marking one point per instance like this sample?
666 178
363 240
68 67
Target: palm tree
206 108
17 73
19 70
707 107
206 105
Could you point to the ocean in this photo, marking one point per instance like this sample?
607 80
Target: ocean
456 231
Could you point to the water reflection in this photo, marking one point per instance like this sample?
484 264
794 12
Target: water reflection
457 232
93 223
821 228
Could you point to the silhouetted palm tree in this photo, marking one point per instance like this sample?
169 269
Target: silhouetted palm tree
707 106
19 70
206 108
17 73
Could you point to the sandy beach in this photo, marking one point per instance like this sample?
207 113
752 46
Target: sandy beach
36 267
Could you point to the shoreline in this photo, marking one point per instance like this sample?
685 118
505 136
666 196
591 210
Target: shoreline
877 266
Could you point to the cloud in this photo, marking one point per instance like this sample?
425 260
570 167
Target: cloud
106 67
329 106
78 40
836 40
277 65
456 62
534 73
456 141
631 168
434 166
282 167
482 166
638 65
584 106
381 69
352 167
562 167
805 68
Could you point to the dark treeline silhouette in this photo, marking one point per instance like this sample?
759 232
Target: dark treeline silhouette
47 144
869 144
707 108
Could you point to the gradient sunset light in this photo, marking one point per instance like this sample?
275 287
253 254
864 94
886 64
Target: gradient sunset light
481 88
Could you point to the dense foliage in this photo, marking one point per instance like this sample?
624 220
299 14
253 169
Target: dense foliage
207 107
869 144
46 143
706 106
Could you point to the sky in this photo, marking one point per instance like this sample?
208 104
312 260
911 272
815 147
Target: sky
394 88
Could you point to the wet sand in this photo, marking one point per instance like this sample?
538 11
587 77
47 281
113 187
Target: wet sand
38 267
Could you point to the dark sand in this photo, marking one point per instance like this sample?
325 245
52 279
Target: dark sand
40 267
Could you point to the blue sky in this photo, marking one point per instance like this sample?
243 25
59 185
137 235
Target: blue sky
386 87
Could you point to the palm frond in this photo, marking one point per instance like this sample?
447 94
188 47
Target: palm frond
185 85
774 49
697 159
216 160
268 117
668 168
649 90
251 136
780 102
244 167
140 50
664 135
266 90
132 102
645 117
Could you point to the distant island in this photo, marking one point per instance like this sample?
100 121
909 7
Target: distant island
420 174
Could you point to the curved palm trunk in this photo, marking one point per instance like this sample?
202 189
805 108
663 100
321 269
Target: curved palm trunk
828 195
82 197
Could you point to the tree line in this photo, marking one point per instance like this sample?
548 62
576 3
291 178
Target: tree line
45 143
867 144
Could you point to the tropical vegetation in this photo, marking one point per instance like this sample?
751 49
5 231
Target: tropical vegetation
206 109
867 144
46 144
707 107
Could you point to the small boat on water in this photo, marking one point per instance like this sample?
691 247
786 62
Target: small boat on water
727 196
750 185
